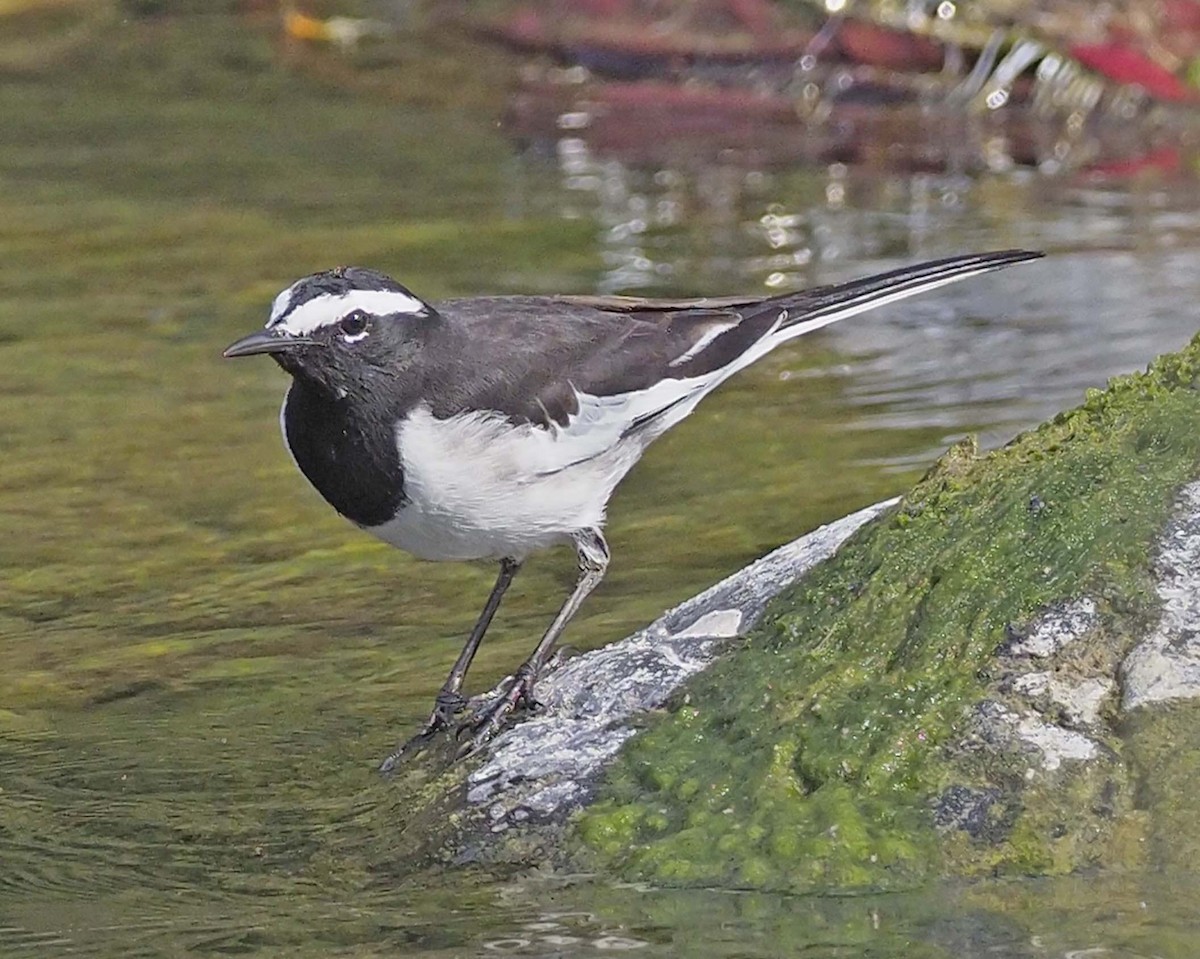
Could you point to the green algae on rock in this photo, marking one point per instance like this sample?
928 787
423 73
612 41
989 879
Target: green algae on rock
843 744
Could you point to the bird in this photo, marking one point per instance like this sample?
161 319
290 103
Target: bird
493 427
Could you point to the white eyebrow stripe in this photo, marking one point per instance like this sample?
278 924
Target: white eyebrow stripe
280 304
328 309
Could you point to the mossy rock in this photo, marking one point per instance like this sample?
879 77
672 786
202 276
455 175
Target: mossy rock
886 725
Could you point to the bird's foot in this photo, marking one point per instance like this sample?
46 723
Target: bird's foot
447 705
482 726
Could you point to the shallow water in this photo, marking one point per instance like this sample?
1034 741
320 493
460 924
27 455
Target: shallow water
201 664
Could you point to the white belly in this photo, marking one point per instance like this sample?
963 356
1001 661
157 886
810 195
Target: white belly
476 487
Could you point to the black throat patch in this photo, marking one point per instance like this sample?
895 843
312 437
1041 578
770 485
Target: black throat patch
347 452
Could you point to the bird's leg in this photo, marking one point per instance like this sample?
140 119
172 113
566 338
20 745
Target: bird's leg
449 700
592 552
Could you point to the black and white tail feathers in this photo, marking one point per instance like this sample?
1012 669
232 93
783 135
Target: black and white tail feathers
812 309
751 330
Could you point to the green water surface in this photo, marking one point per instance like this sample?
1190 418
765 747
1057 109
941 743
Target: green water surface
200 664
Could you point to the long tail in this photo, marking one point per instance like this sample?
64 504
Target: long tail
823 305
761 330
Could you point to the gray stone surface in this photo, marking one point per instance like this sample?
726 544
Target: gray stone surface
1166 665
1054 679
1061 671
545 767
1080 702
995 727
1055 629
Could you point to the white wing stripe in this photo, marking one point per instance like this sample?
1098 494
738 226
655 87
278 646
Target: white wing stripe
700 344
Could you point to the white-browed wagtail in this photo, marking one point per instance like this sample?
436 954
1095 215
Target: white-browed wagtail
493 427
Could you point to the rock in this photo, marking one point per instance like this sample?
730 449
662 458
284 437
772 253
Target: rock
1166 664
973 811
1055 628
1080 702
1047 745
546 767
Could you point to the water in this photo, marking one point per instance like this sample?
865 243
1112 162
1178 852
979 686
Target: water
201 664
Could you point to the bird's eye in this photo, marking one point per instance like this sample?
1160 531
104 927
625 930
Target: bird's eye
352 324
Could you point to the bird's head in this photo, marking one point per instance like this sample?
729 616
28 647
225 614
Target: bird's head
341 330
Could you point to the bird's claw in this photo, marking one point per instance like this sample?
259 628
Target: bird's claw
485 721
446 706
489 719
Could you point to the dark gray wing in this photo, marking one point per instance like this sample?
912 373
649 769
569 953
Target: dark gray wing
531 358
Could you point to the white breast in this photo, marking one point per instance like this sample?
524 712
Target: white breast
478 487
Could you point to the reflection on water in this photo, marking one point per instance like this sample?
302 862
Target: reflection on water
1119 291
200 665
1124 917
